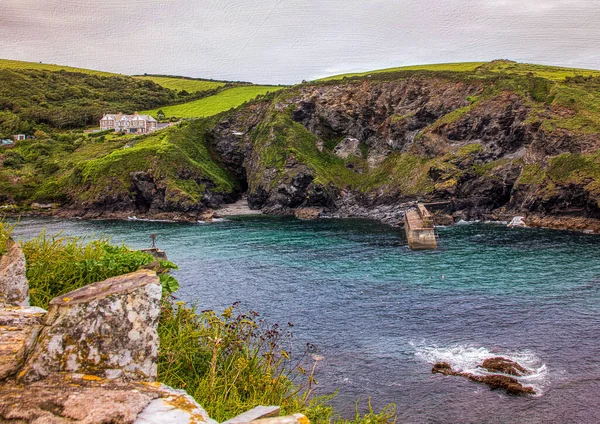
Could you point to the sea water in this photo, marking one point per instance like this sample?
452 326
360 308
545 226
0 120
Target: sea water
381 315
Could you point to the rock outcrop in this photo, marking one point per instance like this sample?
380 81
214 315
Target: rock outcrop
495 381
14 289
504 366
106 329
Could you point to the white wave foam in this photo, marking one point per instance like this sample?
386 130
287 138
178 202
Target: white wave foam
463 222
465 358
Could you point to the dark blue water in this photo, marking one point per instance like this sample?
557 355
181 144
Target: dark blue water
380 314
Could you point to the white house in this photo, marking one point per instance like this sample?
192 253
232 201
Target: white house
134 124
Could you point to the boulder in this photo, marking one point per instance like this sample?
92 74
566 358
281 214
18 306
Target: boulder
83 399
349 146
505 366
14 288
308 213
517 222
105 329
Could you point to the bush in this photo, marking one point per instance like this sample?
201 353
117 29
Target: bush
13 160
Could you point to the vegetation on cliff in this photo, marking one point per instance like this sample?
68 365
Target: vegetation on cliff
229 362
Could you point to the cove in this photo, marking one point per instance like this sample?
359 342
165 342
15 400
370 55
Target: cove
381 314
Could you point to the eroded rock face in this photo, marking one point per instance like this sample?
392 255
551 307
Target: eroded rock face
19 329
14 288
349 146
494 381
107 329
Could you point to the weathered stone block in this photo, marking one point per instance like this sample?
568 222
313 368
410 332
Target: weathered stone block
68 399
255 414
14 288
19 328
106 329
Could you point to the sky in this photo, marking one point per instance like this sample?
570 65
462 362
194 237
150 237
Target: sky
286 41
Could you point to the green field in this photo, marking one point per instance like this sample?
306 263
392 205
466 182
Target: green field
179 84
218 103
553 73
455 67
16 64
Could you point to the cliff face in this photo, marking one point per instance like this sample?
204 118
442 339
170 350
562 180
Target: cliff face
482 146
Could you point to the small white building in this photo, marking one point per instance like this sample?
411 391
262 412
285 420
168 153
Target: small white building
131 124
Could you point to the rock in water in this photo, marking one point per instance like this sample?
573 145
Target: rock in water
14 288
106 329
505 366
510 384
517 222
495 381
308 213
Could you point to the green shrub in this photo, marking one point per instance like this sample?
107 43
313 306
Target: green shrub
57 265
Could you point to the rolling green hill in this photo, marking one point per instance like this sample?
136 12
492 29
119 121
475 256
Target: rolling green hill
188 84
16 64
553 73
212 105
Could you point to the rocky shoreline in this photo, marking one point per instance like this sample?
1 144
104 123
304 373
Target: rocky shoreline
392 215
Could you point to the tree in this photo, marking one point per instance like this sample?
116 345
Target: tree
160 114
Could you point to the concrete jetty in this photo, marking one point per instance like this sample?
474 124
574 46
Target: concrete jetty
420 229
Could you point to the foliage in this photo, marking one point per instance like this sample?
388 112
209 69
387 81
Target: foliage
5 232
212 105
57 264
41 99
235 361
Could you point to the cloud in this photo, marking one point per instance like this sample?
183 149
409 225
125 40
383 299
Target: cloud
285 41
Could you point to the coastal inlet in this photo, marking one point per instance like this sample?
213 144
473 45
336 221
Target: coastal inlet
382 315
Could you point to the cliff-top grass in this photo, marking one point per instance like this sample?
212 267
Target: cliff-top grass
216 104
188 84
553 73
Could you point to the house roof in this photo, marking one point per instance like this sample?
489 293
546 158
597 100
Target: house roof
121 117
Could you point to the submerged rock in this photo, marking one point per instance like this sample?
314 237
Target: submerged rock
494 381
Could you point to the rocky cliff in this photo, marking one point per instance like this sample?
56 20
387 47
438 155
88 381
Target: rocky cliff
479 145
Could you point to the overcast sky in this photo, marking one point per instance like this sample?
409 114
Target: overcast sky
285 41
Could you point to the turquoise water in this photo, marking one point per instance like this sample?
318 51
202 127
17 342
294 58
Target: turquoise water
380 314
